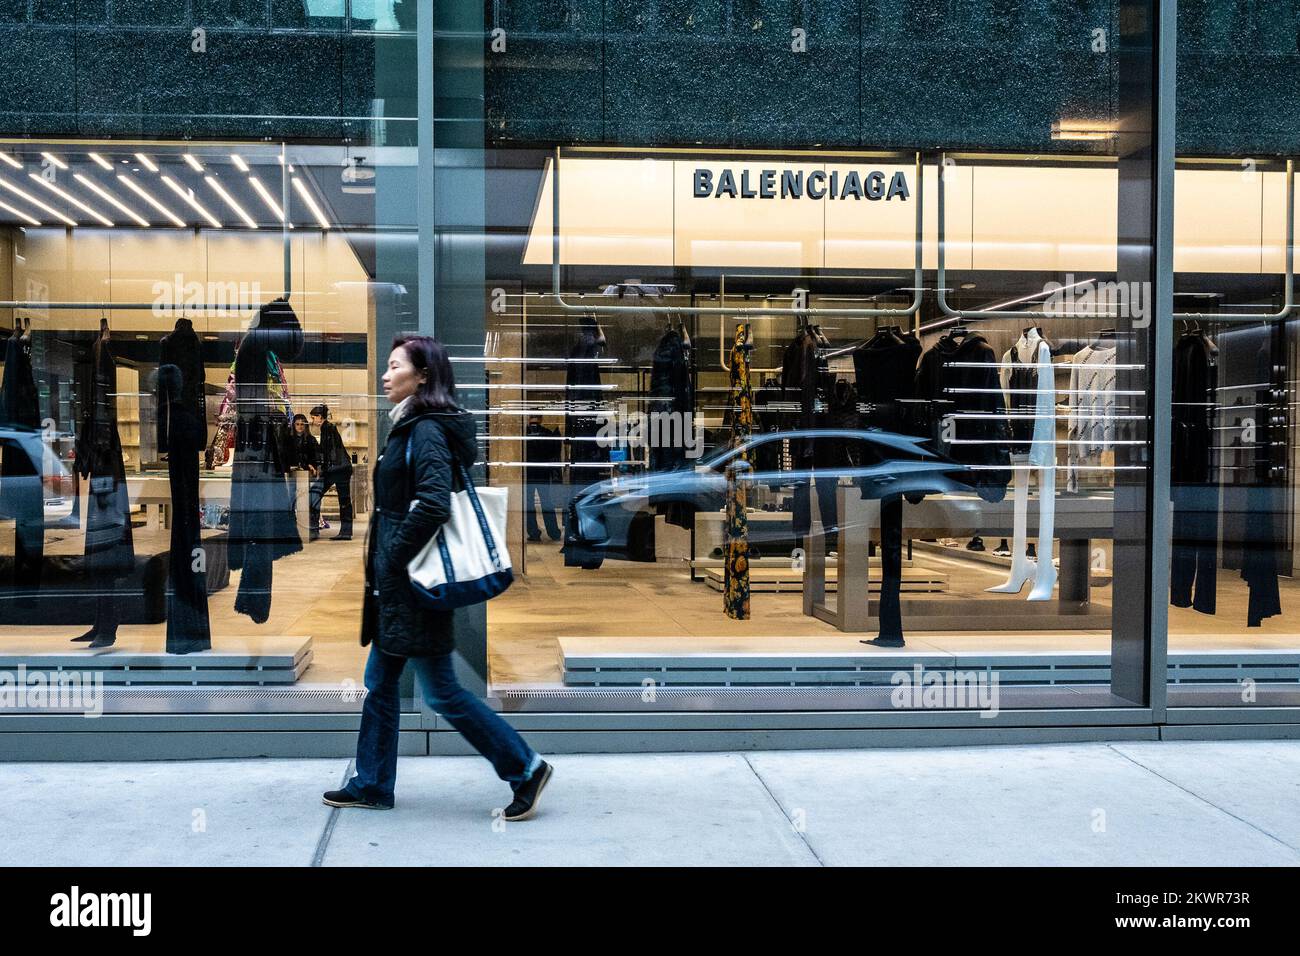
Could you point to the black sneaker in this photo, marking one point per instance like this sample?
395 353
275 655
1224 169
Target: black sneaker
975 544
525 803
343 798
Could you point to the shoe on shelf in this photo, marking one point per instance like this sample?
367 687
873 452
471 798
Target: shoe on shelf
975 544
1031 552
524 804
344 798
1002 552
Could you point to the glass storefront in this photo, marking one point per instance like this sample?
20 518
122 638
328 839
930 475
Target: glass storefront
800 406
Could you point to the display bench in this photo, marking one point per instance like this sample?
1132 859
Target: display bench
1079 521
778 570
152 491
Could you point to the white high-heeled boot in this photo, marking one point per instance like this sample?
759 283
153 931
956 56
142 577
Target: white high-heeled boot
1022 566
1045 579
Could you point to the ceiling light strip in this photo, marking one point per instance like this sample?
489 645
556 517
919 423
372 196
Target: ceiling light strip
101 161
68 197
109 198
230 201
19 213
11 161
140 191
194 203
54 160
303 191
267 197
194 163
36 202
146 162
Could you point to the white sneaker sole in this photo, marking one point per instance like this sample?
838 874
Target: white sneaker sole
537 798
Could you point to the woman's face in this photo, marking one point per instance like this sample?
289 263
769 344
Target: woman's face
402 378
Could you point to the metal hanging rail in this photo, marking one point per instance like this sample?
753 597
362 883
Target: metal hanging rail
557 296
1285 312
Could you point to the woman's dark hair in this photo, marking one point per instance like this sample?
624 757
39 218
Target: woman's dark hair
321 411
437 393
300 417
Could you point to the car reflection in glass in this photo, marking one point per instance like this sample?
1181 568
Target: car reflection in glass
608 519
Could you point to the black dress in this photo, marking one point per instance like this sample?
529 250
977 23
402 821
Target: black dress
109 546
182 434
262 525
20 481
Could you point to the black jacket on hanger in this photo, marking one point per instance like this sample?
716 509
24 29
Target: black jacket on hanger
262 522
671 392
885 370
936 377
589 345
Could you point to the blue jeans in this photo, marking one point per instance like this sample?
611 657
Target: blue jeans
376 777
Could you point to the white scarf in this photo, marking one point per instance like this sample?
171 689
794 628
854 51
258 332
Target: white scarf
398 411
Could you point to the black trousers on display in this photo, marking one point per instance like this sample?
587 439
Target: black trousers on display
1195 553
538 494
826 505
340 479
891 559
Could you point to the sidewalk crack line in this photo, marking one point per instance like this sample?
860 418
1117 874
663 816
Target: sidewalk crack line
318 858
780 809
1207 802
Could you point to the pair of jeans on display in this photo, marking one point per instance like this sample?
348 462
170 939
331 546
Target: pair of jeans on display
489 734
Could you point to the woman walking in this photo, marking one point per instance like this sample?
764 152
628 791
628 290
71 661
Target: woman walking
413 483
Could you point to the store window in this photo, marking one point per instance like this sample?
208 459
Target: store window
791 429
1232 472
193 338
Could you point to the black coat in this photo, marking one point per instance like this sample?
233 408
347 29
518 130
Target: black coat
960 375
333 453
411 503
109 546
262 525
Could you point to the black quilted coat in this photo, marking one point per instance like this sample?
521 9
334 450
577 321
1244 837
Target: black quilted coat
411 502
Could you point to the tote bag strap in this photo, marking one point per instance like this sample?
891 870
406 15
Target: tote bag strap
467 482
484 527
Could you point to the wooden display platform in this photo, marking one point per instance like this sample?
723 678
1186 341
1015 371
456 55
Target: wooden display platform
779 580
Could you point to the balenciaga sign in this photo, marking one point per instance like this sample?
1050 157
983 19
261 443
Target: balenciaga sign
798 184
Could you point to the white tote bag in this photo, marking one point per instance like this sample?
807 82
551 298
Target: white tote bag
466 561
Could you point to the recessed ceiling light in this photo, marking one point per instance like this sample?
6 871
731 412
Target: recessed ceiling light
311 203
194 203
140 191
109 198
19 213
18 191
68 197
230 201
271 204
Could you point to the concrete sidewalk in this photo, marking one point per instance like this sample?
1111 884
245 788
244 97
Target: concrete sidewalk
1234 803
